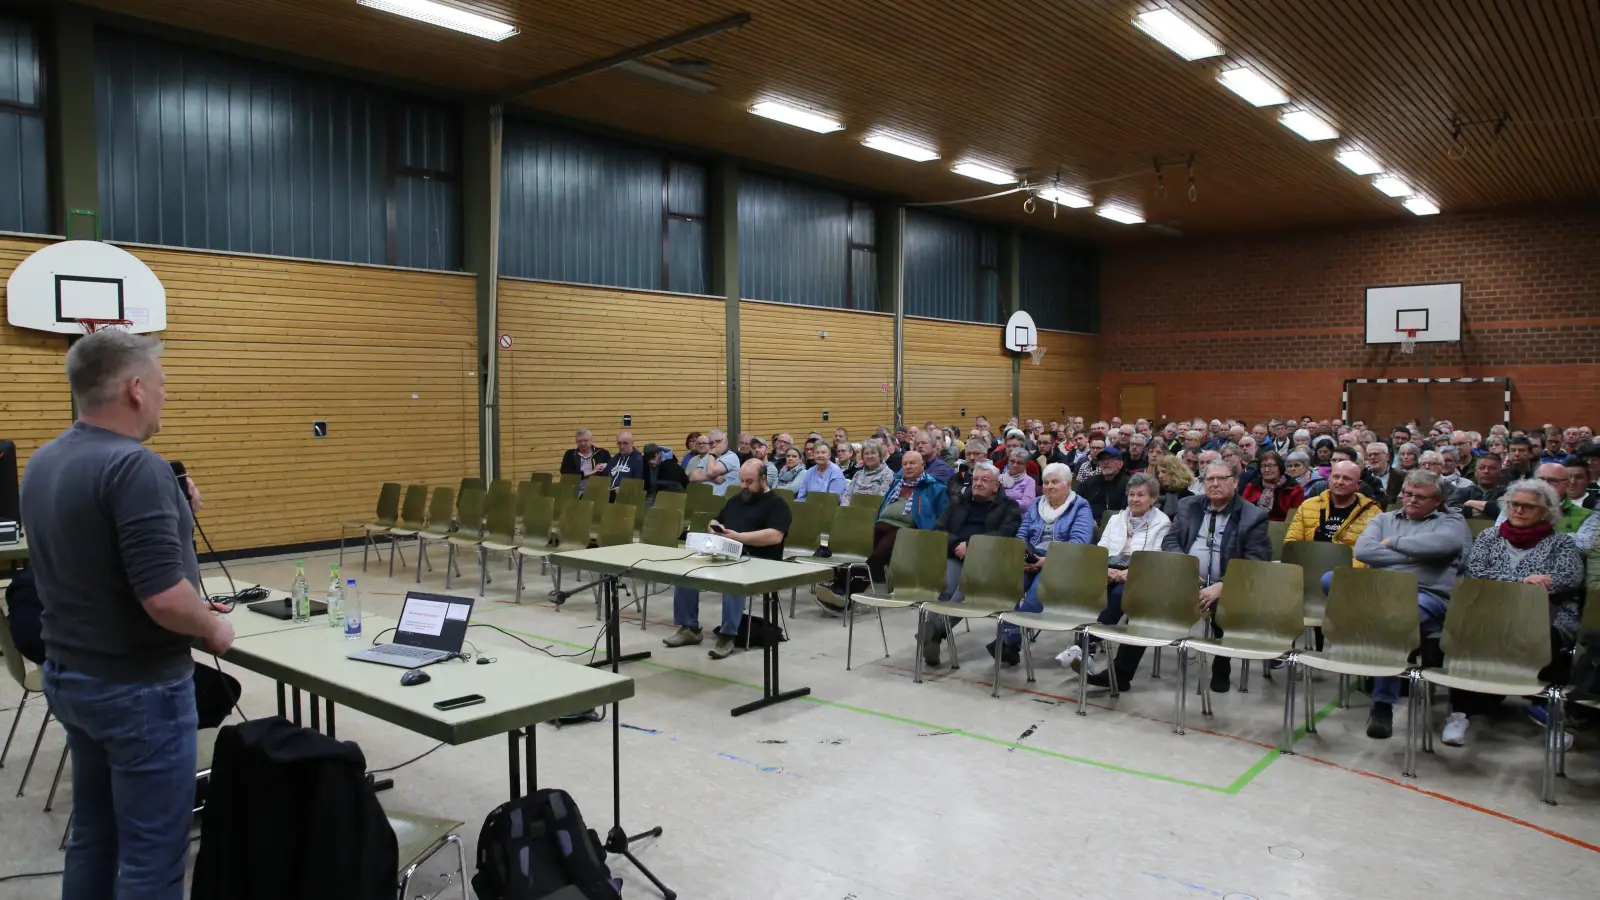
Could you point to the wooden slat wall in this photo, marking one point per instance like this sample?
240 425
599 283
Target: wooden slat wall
792 373
582 357
1066 382
951 366
34 401
256 349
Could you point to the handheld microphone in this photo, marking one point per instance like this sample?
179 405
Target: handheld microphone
182 474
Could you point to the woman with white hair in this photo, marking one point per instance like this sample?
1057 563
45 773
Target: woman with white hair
1142 526
1301 441
1015 480
1526 547
1060 516
872 476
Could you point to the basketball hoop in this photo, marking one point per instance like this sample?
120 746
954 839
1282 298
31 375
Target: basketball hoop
1408 344
1035 351
90 326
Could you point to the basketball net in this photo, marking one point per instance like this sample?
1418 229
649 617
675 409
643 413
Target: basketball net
1408 343
90 326
1035 351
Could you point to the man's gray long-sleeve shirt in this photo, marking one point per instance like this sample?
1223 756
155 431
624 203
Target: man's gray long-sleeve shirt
1430 548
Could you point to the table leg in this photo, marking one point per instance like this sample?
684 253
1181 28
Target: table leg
530 757
613 626
771 690
330 720
296 693
283 706
515 769
316 712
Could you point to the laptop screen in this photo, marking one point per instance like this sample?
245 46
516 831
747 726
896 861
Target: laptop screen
434 621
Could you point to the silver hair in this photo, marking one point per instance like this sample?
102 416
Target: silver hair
874 445
1376 447
715 434
978 444
986 466
1546 494
583 432
1408 446
98 364
1300 434
1060 470
1191 435
1150 483
1299 456
1448 450
1421 478
1019 453
1429 456
1206 469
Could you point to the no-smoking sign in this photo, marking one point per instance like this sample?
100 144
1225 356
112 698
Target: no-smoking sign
505 342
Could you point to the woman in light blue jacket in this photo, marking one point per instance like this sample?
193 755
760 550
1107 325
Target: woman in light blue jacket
1058 516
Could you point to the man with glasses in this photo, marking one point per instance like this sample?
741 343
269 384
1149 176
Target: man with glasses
1481 499
1466 453
1381 472
628 463
721 467
1426 539
1559 477
584 458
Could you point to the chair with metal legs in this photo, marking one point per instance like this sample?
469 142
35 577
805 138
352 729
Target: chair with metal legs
413 518
807 522
537 514
1072 592
574 526
1315 559
662 525
383 519
1262 608
441 524
991 584
469 530
420 838
916 575
849 543
500 534
1159 600
31 679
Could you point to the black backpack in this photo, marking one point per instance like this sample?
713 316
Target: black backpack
534 846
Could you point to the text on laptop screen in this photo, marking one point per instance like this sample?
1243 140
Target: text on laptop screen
434 620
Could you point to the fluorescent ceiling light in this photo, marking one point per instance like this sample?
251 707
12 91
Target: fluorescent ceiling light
794 115
1119 214
1422 206
1392 186
1308 125
445 17
1359 162
983 173
1067 197
1249 84
900 148
1180 37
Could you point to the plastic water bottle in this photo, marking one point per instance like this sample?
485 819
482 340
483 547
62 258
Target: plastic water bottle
352 611
300 593
335 599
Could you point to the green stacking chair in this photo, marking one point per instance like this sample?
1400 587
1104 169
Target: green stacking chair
700 522
574 530
544 480
1261 611
673 502
564 492
1315 559
525 489
469 529
991 583
383 519
1277 532
538 514
864 499
1161 603
470 482
915 572
826 499
420 838
413 518
1479 525
500 534
631 493
663 523
701 497
1072 590
441 524
572 478
850 539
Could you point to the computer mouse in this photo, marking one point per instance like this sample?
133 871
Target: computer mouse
415 676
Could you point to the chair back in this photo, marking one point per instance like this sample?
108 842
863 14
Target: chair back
825 499
631 492
1315 559
15 664
469 513
1478 526
1496 631
662 525
528 489
852 530
1073 580
805 527
733 491
441 509
786 493
1162 589
598 488
470 481
916 566
1371 617
700 496
1105 517
501 486
388 504
543 480
575 525
991 575
501 517
1263 602
537 514
1277 532
564 492
865 500
616 525
414 510
572 478
676 501
700 521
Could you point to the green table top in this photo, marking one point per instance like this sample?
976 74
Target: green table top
521 689
678 567
17 551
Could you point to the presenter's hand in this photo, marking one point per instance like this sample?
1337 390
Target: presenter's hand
221 636
194 494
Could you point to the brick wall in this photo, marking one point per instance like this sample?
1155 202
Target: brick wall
1262 325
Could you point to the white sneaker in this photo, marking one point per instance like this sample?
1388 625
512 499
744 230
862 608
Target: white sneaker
1071 658
1100 663
1454 733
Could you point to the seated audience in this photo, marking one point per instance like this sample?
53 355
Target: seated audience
933 463
844 456
1277 495
781 442
1107 488
981 510
1322 455
628 463
1347 453
1589 453
1426 539
1177 483
872 476
743 451
1466 453
1215 528
1015 480
662 472
1405 458
1387 477
1339 514
1233 455
975 452
794 466
1060 516
913 499
1048 450
823 476
1526 547
1481 499
1450 469
1301 442
721 468
1297 465
759 520
758 451
584 459
1138 459
1519 460
1142 526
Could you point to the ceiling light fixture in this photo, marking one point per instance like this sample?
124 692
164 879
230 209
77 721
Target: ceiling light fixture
1308 125
1253 87
1119 214
900 148
1067 197
1359 162
445 17
1422 206
1178 35
794 115
983 173
1392 186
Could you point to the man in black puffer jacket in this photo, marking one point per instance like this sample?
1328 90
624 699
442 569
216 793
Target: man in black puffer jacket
981 509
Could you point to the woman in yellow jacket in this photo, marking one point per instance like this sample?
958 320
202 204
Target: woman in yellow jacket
1338 514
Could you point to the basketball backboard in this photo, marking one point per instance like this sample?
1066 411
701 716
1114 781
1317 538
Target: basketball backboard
1432 311
60 284
1020 332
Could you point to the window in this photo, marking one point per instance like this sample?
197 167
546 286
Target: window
1060 284
24 178
805 245
952 268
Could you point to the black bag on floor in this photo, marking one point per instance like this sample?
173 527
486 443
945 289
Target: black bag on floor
534 846
1586 669
765 634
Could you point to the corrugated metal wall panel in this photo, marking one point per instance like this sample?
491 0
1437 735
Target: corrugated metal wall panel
951 268
203 149
793 242
1060 284
24 176
585 209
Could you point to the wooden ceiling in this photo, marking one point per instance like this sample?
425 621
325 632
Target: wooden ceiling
1064 85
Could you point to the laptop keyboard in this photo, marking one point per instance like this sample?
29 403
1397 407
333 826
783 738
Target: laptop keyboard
406 651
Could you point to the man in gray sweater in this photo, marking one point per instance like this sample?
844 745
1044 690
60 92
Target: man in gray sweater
1429 541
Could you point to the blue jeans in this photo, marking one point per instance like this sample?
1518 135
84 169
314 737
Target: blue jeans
133 766
686 610
1430 614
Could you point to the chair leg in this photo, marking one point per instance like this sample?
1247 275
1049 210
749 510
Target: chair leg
13 733
396 547
50 799
850 631
955 658
519 560
1288 708
922 629
791 601
422 554
67 831
1409 769
883 634
1027 660
449 563
644 607
1183 689
32 756
1244 676
1427 714
392 542
999 628
1552 745
1083 674
1561 730
1311 705
461 864
1111 668
366 544
1155 665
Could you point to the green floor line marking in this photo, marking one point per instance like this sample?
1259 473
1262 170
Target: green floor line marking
1272 755
1001 742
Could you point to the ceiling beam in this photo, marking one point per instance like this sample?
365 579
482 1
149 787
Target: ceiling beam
738 20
